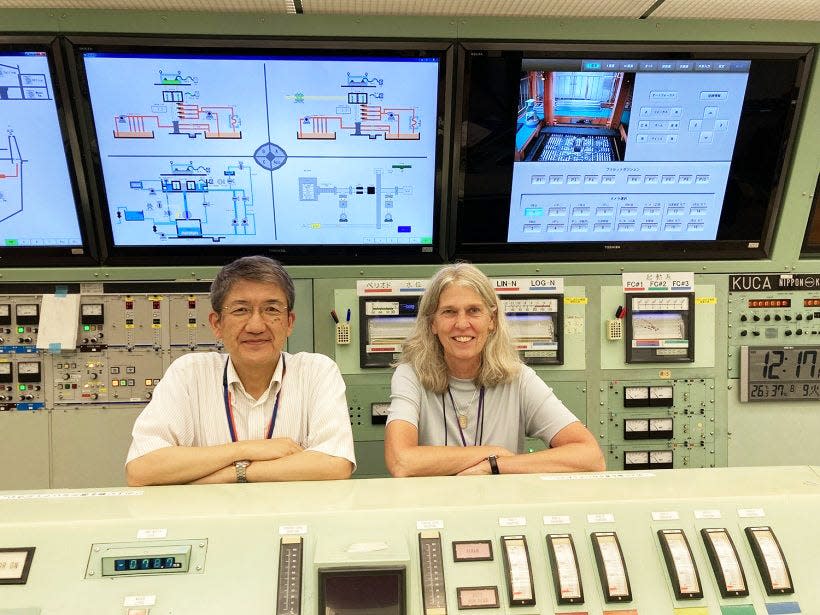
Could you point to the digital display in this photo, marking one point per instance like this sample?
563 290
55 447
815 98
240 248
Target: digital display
37 202
608 150
285 147
146 563
362 591
624 150
787 373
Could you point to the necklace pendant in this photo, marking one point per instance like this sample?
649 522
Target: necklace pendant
462 421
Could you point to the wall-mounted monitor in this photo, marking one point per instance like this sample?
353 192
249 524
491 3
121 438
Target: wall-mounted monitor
623 152
811 241
42 220
309 151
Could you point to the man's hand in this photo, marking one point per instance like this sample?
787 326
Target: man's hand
266 450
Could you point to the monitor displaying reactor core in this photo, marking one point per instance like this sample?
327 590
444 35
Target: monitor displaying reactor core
37 204
305 149
624 150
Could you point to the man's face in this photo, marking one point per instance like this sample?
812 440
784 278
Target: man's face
254 323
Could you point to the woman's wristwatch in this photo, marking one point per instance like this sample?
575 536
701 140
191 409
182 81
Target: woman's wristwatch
493 459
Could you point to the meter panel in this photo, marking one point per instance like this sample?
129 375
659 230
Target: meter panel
384 324
660 327
658 423
536 326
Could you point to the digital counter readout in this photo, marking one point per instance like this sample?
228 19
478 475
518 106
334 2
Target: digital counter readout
146 563
780 372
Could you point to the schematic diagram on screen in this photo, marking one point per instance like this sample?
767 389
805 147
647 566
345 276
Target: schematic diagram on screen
264 150
11 178
360 112
192 201
176 110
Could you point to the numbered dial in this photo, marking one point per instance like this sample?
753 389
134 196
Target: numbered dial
636 396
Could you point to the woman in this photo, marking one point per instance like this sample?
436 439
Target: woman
462 401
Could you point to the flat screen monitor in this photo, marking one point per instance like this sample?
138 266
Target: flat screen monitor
811 241
362 591
41 219
615 152
311 152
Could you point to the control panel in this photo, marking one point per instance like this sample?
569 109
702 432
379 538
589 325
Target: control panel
657 424
728 540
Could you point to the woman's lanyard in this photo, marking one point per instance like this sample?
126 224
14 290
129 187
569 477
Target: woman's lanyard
229 406
479 429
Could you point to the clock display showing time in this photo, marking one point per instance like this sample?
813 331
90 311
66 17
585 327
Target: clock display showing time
783 373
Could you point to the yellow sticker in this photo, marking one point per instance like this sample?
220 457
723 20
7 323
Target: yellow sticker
156 326
705 300
666 374
576 300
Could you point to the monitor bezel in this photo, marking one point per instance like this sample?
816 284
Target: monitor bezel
290 254
86 253
717 249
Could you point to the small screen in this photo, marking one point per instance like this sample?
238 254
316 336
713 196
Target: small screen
37 204
146 563
362 592
302 149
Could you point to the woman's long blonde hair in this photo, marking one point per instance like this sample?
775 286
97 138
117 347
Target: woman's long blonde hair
423 351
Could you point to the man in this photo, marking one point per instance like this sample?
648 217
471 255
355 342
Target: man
257 414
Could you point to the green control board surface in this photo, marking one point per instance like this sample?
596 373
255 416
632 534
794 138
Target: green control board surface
620 542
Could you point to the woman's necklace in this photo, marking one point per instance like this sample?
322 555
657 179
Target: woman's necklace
463 412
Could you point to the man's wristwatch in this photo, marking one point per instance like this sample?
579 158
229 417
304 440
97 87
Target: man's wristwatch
493 459
241 466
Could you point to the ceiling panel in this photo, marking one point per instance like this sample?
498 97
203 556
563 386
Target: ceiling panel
236 6
485 8
797 10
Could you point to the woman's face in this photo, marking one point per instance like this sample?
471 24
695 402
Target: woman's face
462 323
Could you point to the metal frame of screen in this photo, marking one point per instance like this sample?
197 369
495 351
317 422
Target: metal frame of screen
483 154
51 256
291 254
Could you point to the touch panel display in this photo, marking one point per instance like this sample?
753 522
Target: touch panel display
292 149
608 150
39 214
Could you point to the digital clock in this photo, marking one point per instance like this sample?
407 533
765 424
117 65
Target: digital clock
779 373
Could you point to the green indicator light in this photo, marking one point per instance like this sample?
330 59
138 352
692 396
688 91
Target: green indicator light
11 242
86 328
21 330
532 450
22 387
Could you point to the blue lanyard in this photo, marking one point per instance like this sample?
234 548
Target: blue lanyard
479 423
229 406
